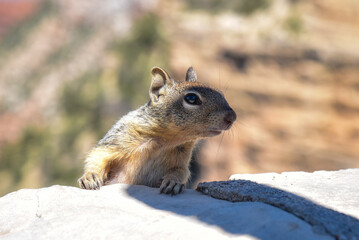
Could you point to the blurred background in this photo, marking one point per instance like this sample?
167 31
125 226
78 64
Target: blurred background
70 69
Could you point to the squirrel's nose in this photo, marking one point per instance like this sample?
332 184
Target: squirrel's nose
230 117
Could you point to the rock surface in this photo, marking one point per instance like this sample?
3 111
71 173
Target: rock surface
138 212
315 197
338 190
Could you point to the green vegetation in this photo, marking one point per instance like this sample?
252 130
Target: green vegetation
14 156
54 148
81 102
146 47
294 24
244 7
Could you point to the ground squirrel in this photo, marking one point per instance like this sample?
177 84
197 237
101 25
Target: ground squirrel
153 145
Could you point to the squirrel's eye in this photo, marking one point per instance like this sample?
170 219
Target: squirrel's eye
192 98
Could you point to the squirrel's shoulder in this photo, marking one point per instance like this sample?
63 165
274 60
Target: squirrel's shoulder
132 118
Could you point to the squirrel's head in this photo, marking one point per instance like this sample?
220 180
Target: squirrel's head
189 107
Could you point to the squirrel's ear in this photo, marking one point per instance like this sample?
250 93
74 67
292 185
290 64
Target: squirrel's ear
160 79
191 75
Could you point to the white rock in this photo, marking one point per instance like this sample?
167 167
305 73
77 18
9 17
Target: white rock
138 212
338 190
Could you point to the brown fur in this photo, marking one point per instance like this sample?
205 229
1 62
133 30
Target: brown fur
153 145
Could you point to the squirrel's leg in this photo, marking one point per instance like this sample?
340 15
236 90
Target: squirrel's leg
177 175
97 166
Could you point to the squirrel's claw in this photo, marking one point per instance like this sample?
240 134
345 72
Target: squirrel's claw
171 187
179 188
90 181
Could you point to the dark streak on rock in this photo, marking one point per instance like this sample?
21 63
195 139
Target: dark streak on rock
336 224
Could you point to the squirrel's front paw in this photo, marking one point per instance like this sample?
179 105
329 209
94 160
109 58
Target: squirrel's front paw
171 187
90 181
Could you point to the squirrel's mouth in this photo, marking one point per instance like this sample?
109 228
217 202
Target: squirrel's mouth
214 132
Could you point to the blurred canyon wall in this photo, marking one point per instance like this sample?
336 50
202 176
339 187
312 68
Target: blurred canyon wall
70 69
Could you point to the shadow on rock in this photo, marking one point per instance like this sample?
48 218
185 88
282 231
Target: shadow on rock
250 217
323 219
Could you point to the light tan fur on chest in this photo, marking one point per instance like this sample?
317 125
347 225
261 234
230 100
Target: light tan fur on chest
148 162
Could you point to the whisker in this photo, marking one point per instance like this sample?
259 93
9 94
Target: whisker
240 114
235 132
226 86
242 123
219 76
219 146
232 133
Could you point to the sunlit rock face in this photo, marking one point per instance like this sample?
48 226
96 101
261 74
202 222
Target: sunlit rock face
139 212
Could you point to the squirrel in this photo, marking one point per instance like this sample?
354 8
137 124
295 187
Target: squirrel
153 145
